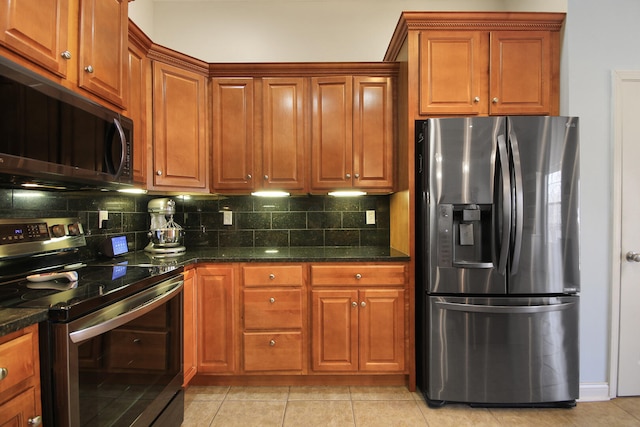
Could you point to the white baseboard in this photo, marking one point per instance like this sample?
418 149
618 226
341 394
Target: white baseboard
594 392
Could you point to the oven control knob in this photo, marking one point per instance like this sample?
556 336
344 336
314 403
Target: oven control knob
75 229
58 230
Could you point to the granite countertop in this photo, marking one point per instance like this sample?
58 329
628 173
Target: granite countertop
13 319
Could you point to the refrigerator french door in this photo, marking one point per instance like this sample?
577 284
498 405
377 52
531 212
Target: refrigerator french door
497 273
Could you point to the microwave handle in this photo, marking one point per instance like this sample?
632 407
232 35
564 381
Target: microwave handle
107 150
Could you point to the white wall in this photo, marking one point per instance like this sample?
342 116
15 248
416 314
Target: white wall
598 38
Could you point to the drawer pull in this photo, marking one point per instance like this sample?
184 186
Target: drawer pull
272 276
136 340
3 373
35 421
358 276
272 300
272 343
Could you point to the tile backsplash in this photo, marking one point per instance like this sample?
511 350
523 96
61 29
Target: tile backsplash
256 221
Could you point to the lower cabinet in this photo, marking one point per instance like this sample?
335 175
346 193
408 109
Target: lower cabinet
20 403
190 322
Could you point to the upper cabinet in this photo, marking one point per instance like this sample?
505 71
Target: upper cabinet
352 133
83 43
180 138
492 63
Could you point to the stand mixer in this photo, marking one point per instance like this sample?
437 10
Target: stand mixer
164 233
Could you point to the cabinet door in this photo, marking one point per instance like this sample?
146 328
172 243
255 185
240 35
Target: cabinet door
453 72
139 75
335 330
520 72
103 48
180 154
21 410
373 133
284 133
216 326
37 30
190 322
331 132
381 323
233 133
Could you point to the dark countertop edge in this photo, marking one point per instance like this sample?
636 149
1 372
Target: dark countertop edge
14 319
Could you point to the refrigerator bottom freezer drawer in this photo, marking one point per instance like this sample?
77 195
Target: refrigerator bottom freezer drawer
506 350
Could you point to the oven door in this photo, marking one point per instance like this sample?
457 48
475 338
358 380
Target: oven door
120 365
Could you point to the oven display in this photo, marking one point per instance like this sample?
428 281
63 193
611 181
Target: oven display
19 233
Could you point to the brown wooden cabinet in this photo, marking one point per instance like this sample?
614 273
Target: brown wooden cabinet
352 133
20 403
359 324
38 31
180 148
84 42
486 72
190 322
259 133
274 313
216 333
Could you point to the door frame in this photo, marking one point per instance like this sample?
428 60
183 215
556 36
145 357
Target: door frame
618 77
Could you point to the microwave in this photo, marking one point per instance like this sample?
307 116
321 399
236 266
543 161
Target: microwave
50 135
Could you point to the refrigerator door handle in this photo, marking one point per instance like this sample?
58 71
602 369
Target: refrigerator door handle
504 309
519 202
506 204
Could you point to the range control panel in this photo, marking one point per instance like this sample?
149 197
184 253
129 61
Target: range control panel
23 236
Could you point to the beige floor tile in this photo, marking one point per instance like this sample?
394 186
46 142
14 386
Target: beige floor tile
456 415
206 392
319 413
249 413
258 393
598 414
524 417
199 413
389 413
380 393
319 393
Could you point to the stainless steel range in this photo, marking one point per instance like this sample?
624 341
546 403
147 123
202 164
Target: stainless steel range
111 350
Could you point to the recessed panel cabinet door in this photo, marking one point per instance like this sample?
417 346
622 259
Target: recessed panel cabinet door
233 133
335 330
103 48
37 30
521 64
180 156
284 133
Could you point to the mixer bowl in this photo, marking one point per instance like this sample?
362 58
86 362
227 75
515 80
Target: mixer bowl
166 237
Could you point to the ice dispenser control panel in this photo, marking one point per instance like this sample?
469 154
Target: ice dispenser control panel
464 236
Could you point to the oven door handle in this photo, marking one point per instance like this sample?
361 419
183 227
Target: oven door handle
127 310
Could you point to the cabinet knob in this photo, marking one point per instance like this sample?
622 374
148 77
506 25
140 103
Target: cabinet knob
248 176
272 300
136 340
266 177
495 100
476 99
272 276
3 373
159 173
35 421
88 69
358 276
357 175
363 304
66 54
348 175
354 304
272 343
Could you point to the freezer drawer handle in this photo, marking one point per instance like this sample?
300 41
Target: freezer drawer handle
467 264
502 309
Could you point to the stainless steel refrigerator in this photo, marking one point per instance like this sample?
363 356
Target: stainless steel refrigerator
497 269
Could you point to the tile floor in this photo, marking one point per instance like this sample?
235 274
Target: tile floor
379 406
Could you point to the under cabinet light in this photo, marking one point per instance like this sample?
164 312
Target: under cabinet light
132 190
347 193
270 194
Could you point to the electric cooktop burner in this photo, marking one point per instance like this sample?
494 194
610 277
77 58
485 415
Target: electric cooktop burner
96 286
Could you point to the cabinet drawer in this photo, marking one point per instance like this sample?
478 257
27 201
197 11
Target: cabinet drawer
17 357
272 309
290 275
138 350
354 275
264 351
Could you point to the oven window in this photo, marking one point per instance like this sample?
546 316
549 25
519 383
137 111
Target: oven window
123 371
